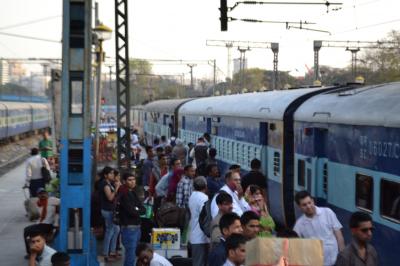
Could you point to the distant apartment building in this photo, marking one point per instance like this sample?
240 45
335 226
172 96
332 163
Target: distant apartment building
4 72
236 65
16 71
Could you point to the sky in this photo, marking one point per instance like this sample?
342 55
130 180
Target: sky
178 29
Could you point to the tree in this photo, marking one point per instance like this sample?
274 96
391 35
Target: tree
140 80
383 65
253 80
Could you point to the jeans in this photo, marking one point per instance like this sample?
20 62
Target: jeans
111 235
199 254
130 238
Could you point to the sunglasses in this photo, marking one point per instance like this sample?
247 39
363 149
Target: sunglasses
365 230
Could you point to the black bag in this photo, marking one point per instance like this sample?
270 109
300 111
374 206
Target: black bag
200 154
170 215
205 218
45 174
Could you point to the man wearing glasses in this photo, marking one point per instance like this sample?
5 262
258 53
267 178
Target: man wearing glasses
359 252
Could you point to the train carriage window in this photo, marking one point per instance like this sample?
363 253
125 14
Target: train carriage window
277 163
390 199
214 130
301 173
325 179
364 192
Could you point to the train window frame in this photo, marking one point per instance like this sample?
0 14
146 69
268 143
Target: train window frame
381 203
371 193
325 177
214 130
301 164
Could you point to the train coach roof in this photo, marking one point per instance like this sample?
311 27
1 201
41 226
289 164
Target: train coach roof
164 106
376 105
270 104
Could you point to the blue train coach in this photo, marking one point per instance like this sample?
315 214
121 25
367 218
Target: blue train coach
248 126
160 118
17 118
347 154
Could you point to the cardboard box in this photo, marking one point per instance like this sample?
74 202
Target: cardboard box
300 252
166 238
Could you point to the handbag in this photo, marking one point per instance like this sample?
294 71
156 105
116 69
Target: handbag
46 176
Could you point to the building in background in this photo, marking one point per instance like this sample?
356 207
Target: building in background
16 71
4 72
236 65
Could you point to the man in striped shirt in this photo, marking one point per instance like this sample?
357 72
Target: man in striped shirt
185 187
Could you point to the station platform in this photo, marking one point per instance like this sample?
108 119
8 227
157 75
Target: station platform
12 217
13 220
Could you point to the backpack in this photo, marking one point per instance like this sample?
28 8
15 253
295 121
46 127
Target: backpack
205 218
46 176
170 215
200 154
201 169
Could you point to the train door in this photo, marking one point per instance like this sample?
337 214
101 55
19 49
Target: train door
209 125
264 143
321 164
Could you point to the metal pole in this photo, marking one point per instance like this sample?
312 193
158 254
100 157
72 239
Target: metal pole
275 50
123 84
317 47
215 76
98 99
191 75
354 52
110 77
229 46
96 14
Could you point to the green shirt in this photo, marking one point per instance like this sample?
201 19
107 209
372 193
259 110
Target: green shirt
46 148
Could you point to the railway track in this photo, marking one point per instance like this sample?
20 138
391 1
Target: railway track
13 153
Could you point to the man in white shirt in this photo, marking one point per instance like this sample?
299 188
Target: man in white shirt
198 239
146 256
319 223
34 179
40 253
233 188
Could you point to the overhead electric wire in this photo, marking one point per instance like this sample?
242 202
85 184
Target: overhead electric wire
368 26
326 3
28 22
29 37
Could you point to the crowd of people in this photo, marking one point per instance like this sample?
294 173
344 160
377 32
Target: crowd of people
216 213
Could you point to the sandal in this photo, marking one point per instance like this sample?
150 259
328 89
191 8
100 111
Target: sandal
115 255
109 259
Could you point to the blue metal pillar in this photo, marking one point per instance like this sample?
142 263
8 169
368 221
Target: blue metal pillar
75 168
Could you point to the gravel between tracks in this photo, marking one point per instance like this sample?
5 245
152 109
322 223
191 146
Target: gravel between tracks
16 152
